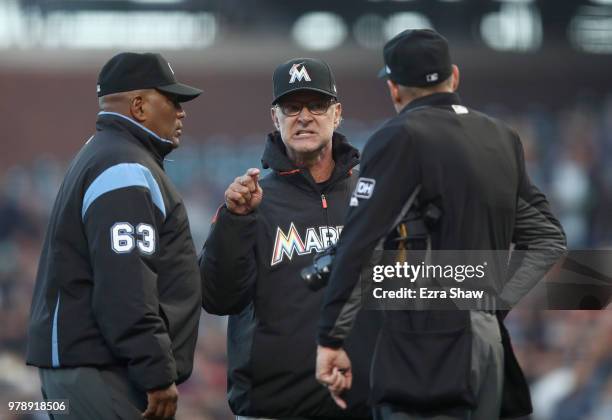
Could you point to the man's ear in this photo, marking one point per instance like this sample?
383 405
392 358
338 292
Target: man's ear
394 92
274 118
137 108
455 78
337 115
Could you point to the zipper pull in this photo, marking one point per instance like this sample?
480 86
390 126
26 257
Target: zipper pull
324 201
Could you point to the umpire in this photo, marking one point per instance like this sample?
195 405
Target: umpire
114 316
438 364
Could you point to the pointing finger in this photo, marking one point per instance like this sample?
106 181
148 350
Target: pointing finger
253 172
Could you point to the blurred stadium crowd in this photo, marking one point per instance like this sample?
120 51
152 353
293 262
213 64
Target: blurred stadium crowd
566 354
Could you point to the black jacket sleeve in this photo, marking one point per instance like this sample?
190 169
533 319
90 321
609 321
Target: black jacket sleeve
538 237
389 165
123 239
227 265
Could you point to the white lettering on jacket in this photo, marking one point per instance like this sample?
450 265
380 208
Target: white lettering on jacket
315 239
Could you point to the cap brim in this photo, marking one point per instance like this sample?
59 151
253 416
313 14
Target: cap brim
297 89
382 74
183 92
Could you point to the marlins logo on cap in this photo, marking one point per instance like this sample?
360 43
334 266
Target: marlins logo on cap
305 74
299 74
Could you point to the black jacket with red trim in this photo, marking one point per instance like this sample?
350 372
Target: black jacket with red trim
250 270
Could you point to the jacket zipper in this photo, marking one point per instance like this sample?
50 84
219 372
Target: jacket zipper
324 205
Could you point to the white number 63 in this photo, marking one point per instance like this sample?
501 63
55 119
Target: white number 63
123 239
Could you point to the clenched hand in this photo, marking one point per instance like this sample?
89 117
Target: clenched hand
334 371
162 404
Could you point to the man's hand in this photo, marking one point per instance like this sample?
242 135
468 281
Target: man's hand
334 372
244 194
161 404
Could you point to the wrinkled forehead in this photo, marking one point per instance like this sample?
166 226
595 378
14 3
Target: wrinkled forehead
304 96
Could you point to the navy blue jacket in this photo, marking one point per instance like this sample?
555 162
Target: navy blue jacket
118 281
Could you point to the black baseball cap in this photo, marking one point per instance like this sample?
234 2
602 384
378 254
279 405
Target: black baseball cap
303 74
132 71
417 57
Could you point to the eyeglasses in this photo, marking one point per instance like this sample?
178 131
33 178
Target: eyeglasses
319 107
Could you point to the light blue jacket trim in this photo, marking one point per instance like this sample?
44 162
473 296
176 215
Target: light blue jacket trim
135 123
123 175
54 346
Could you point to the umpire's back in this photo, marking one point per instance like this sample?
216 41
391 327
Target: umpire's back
469 167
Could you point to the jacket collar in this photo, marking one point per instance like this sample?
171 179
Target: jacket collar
156 145
275 157
435 99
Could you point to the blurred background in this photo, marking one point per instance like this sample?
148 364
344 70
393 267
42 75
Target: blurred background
544 66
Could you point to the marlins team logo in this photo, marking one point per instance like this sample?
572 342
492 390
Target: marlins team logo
298 73
316 239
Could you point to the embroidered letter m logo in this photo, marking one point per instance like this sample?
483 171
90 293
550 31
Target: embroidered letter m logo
300 74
